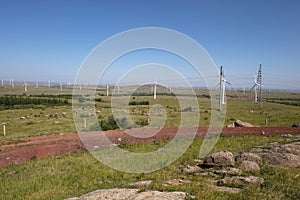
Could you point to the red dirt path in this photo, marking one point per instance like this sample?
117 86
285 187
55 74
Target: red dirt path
21 150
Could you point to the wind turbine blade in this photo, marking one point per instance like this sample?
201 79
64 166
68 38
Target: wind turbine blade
253 87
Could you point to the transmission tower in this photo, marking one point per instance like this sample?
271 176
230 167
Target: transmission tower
259 81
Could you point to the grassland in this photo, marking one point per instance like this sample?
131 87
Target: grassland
78 173
43 120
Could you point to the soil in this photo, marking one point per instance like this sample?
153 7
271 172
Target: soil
21 150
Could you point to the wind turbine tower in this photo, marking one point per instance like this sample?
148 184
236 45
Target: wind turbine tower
154 90
25 87
222 87
107 90
258 88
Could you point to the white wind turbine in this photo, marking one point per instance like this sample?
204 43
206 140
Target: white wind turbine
154 90
107 90
61 88
222 85
223 90
255 86
25 86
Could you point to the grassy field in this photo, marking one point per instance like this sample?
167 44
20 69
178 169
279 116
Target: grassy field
79 173
42 120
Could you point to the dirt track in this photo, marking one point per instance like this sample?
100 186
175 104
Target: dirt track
21 150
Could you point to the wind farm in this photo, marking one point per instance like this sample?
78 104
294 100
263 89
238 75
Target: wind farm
149 100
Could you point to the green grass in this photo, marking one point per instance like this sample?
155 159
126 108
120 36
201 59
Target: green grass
78 173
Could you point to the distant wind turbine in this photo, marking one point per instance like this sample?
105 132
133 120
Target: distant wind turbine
154 90
107 90
255 87
61 86
222 85
25 86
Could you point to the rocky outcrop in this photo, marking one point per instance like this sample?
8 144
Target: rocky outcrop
130 194
240 180
222 159
249 157
280 155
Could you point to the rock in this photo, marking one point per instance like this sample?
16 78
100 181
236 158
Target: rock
296 125
250 166
191 169
281 160
227 171
141 183
156 195
227 189
249 157
222 158
112 194
11 172
293 148
239 180
175 182
131 194
239 123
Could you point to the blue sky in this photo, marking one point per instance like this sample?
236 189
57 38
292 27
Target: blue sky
41 40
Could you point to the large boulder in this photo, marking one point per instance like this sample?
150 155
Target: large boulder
222 158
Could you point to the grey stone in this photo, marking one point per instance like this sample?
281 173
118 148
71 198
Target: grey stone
130 194
222 158
141 183
191 169
281 160
250 166
227 171
227 189
249 157
239 180
156 195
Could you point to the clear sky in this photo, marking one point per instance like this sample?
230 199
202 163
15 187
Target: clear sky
41 40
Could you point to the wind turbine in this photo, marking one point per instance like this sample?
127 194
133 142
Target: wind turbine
2 82
223 90
37 84
60 84
222 87
12 83
107 90
255 86
25 86
49 84
154 90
